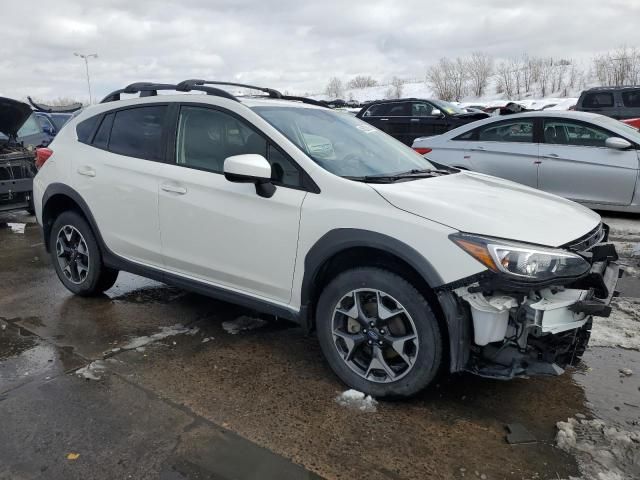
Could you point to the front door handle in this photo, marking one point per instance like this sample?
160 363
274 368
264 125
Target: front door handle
415 119
87 171
167 187
384 119
477 149
552 155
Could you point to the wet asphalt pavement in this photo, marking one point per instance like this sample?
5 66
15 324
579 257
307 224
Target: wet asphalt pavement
258 405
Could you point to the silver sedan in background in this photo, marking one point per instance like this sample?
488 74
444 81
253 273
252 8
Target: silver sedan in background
584 157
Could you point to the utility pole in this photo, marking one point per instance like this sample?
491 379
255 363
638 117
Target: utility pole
86 58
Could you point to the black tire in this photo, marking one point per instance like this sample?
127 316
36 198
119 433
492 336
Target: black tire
31 208
98 277
427 360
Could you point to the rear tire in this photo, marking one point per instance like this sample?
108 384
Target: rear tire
393 348
77 258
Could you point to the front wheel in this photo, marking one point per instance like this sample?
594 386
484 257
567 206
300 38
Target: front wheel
77 258
378 333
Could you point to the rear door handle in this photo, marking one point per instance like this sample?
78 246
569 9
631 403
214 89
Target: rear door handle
415 119
87 171
477 149
384 119
552 155
167 187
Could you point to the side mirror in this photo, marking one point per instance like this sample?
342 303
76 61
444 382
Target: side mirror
436 112
617 143
250 168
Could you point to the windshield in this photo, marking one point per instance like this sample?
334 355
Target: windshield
341 143
447 107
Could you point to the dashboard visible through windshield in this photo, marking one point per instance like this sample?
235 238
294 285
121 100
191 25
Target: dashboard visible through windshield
342 144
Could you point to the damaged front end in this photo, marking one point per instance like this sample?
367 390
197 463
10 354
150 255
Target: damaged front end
531 313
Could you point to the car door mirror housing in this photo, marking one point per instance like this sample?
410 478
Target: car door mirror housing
436 112
618 143
250 168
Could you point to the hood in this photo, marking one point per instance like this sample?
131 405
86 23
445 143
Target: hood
481 204
13 114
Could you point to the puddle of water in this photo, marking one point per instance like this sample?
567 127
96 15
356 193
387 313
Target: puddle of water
611 395
24 357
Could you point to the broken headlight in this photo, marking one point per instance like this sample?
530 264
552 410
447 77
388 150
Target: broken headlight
520 260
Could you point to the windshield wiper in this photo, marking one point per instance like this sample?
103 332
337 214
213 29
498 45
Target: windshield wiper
389 178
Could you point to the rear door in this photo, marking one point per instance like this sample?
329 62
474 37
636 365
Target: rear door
576 164
600 102
117 175
506 149
630 103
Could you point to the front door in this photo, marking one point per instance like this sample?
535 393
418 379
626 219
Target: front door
576 164
221 232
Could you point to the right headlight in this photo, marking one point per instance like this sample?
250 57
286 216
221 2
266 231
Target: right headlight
520 260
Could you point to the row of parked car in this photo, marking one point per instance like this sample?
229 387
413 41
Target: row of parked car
24 128
585 154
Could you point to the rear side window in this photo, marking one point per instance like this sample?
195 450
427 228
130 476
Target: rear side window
101 140
631 98
598 99
137 132
85 129
511 131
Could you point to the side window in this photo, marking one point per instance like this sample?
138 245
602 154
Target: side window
379 110
101 140
283 171
85 128
598 99
421 109
631 98
137 132
30 127
470 135
45 122
399 109
206 137
510 131
566 132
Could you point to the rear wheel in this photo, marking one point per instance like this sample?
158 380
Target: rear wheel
77 258
378 333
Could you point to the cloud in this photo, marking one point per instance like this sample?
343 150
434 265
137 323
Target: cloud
286 44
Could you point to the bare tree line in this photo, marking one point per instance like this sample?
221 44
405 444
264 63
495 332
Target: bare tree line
516 77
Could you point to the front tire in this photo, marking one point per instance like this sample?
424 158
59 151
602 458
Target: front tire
378 333
77 258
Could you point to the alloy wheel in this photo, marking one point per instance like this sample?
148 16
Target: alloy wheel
72 254
375 335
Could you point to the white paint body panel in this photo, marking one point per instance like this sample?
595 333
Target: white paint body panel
224 234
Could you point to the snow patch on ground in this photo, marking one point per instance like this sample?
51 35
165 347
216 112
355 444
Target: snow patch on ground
622 226
357 400
93 371
603 452
627 249
17 227
621 329
242 324
177 329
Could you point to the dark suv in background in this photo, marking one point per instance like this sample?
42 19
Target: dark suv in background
615 102
409 118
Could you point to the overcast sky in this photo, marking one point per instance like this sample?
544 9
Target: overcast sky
290 45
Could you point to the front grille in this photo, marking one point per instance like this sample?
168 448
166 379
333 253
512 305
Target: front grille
588 241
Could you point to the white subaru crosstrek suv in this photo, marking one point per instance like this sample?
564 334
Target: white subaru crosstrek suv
299 211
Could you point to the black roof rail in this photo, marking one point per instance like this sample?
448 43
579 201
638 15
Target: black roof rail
194 82
148 89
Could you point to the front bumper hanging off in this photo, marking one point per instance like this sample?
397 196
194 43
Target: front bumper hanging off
518 331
